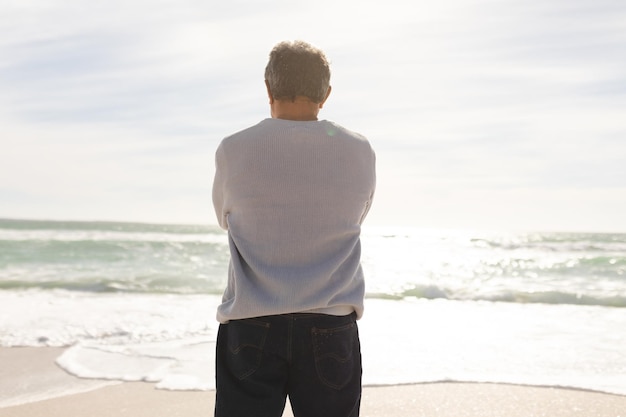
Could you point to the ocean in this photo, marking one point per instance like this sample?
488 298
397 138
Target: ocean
136 302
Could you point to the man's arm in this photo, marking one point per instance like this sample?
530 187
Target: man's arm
218 189
368 204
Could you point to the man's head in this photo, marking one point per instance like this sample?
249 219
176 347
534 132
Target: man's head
297 69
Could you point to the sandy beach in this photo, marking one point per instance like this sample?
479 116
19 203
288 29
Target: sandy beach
31 372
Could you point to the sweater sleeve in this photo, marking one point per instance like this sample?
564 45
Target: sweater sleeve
368 203
218 189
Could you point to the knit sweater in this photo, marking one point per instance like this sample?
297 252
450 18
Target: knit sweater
293 195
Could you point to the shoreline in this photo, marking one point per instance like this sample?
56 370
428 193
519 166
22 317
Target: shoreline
38 387
140 399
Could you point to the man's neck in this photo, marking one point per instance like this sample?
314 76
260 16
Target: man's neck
301 109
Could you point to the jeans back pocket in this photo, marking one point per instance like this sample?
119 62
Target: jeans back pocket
246 339
337 355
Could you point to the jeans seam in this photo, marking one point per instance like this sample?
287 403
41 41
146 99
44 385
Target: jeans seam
290 341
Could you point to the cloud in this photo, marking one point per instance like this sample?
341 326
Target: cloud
109 106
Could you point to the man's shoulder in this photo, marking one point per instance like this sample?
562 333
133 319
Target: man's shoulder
349 138
240 139
335 129
246 132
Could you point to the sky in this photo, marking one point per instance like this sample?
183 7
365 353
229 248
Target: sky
499 114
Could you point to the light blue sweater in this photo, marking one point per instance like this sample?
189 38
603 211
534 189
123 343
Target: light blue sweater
292 196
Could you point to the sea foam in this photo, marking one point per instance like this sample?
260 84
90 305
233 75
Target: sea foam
170 340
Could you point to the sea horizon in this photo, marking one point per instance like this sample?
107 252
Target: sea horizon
367 225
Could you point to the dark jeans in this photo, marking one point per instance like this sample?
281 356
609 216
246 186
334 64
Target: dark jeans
315 359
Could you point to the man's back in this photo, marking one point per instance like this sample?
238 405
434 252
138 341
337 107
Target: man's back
292 192
293 195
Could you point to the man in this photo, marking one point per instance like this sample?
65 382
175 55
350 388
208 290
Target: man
292 191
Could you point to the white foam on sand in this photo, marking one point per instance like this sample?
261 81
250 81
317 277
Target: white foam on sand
420 341
531 344
174 365
170 340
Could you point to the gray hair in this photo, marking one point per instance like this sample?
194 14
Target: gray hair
297 69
